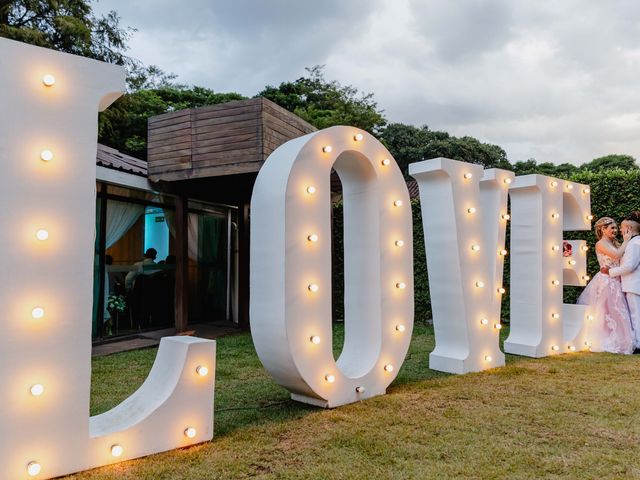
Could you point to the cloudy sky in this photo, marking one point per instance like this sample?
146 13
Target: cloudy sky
553 80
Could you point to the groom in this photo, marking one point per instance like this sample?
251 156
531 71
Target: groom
629 271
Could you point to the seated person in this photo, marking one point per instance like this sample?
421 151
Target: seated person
149 259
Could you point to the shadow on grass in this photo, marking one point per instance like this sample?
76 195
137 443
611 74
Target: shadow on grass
246 395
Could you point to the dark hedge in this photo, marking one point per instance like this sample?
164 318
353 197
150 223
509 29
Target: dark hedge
614 193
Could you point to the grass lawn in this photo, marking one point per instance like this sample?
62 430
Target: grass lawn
571 416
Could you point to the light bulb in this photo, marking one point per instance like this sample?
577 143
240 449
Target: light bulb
554 183
313 287
401 285
569 186
190 432
33 469
42 234
586 190
400 328
327 149
506 216
37 389
589 217
484 321
399 243
468 175
385 162
311 189
497 326
388 367
360 389
475 248
315 339
37 312
471 210
479 284
202 370
556 248
572 262
555 315
488 358
313 237
358 137
584 248
586 278
507 180
503 252
48 80
555 215
397 203
555 348
116 450
46 155
555 282
501 290
571 348
329 378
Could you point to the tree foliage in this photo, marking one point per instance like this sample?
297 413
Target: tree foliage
124 125
70 26
609 162
325 103
65 25
409 144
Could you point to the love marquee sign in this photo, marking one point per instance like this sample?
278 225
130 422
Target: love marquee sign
48 131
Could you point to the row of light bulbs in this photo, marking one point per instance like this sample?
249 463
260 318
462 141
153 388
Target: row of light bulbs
358 137
314 287
34 467
468 175
330 378
36 390
474 247
569 186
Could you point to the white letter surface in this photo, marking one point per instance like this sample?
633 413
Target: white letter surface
541 209
49 103
291 267
464 215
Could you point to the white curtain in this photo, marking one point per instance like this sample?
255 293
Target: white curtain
121 217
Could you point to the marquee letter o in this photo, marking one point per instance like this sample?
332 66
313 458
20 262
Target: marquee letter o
291 310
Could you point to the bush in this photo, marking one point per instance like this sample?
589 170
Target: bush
614 193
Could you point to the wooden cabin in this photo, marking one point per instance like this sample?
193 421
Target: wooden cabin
202 165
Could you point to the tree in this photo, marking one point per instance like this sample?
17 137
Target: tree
409 144
124 125
70 26
609 162
325 103
65 25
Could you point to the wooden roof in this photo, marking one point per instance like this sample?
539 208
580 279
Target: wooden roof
224 139
114 159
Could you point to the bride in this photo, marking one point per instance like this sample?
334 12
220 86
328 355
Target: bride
611 329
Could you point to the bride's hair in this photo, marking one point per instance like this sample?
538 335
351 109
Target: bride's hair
601 224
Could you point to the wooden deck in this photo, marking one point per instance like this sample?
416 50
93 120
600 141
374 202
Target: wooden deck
224 139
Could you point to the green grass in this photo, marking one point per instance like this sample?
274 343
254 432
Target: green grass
570 416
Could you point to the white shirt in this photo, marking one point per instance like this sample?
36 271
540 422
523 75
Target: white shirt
139 268
628 269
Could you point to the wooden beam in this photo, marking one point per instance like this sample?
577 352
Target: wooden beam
182 264
243 264
102 268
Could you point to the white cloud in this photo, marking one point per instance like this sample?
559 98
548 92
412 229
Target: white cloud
555 81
